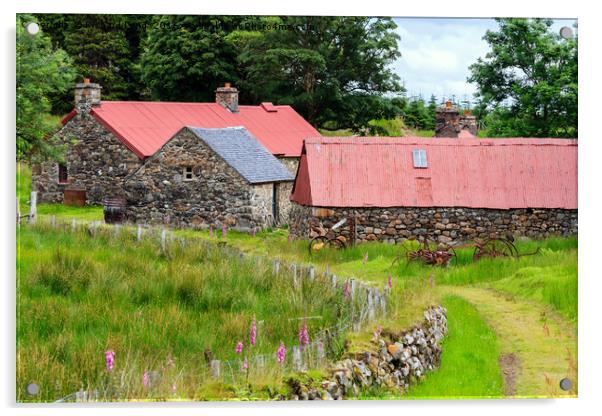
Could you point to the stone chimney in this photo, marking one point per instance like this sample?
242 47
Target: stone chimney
468 122
227 97
87 95
447 121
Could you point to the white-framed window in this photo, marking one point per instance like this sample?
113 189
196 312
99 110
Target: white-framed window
187 173
419 158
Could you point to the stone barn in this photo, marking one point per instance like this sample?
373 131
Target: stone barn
441 189
107 141
208 176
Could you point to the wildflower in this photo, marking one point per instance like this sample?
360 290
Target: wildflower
224 231
290 238
173 387
253 332
365 260
304 335
239 347
110 359
346 289
377 332
390 281
281 353
145 379
245 366
211 231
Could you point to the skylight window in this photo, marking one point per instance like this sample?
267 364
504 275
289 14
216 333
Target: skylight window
419 157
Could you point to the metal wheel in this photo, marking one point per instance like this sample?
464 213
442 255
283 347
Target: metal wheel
495 247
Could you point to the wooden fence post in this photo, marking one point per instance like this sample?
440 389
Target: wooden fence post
139 233
33 208
297 361
353 286
53 221
333 280
311 272
276 266
73 225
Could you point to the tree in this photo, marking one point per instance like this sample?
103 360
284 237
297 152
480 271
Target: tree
187 57
104 48
334 70
528 82
41 71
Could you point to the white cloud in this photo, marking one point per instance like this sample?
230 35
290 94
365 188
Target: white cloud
436 53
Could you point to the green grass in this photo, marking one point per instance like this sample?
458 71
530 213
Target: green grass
549 277
79 296
469 361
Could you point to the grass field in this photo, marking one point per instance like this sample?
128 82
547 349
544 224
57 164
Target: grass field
80 296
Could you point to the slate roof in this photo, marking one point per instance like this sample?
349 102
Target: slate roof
244 153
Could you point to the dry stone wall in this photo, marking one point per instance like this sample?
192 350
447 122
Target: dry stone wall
445 225
395 363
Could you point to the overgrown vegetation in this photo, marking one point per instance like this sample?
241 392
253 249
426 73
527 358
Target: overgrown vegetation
159 312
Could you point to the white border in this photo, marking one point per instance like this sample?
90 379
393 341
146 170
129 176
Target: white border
590 164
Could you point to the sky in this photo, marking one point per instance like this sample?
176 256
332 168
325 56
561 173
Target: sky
436 53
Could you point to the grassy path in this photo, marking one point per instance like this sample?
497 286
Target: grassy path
542 344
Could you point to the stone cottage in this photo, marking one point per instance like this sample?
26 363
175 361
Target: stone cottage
398 188
107 141
208 176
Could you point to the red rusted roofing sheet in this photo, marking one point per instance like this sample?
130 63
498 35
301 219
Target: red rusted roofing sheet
144 127
478 173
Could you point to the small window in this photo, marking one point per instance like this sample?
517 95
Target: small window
419 157
63 175
188 174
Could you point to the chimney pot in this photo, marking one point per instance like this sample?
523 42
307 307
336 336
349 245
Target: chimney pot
226 85
448 104
86 80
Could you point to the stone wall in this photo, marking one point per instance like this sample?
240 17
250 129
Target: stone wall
158 192
397 362
96 161
285 189
395 225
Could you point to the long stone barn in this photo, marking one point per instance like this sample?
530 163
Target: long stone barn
109 143
441 189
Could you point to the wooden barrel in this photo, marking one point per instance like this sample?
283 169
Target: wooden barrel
74 197
114 210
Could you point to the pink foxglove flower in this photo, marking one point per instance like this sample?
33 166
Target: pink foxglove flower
390 281
365 260
145 379
110 359
173 388
346 289
281 353
211 231
245 366
239 347
304 335
224 231
253 332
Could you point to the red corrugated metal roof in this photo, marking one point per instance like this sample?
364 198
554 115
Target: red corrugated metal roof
478 173
144 127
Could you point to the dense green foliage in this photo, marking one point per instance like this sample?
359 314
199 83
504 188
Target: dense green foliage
104 48
41 72
527 84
